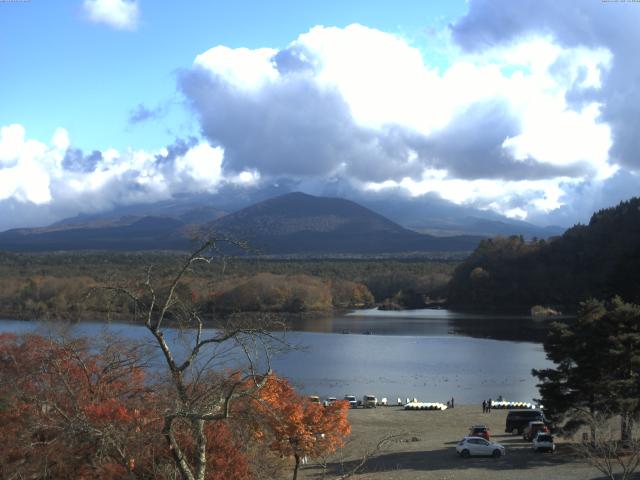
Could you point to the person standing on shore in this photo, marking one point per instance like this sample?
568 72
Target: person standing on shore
489 406
484 406
452 404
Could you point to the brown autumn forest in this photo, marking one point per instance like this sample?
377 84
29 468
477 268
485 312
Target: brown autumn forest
61 285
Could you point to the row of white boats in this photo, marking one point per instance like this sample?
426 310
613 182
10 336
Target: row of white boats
500 405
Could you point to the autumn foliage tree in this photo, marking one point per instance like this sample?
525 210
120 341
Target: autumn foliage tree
69 411
73 409
295 426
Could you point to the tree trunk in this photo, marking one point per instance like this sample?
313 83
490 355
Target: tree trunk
201 449
626 426
295 468
592 424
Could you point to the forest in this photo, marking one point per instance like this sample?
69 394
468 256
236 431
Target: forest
67 285
598 260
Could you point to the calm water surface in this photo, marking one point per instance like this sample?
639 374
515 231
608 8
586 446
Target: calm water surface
429 354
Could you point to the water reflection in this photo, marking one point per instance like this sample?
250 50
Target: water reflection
426 322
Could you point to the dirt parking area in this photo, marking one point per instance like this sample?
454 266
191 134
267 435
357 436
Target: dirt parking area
426 449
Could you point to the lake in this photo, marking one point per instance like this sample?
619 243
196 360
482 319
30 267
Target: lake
432 355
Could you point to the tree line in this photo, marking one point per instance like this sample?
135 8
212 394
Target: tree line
34 286
598 260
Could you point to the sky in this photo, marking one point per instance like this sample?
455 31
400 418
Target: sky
528 109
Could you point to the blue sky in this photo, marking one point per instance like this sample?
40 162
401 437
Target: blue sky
59 69
524 108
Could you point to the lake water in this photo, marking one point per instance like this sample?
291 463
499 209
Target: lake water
429 354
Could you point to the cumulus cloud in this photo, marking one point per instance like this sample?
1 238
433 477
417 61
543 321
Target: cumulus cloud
533 111
590 26
119 14
499 129
53 180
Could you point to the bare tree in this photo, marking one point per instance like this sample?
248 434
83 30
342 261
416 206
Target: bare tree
605 451
200 392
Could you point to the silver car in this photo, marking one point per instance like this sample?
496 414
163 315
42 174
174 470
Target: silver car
543 442
478 446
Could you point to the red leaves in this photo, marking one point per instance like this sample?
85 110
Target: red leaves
298 426
74 411
64 406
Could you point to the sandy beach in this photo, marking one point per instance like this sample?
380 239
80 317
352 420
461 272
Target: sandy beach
426 449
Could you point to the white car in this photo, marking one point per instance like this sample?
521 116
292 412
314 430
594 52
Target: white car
353 403
478 446
543 442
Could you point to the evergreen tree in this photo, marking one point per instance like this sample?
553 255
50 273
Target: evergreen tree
598 366
574 390
623 352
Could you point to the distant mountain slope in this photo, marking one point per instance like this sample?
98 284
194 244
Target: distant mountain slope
186 212
294 223
441 218
600 260
485 227
301 223
147 233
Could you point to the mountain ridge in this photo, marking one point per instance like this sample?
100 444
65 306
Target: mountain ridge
294 223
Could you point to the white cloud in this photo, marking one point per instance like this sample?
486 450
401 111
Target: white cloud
11 141
120 14
34 173
202 164
24 174
491 124
497 195
240 67
508 129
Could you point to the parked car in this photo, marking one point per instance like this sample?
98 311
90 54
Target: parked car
533 428
543 442
314 399
478 446
480 431
353 403
369 401
518 420
329 401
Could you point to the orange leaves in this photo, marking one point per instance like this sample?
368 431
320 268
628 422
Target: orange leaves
75 411
298 426
68 409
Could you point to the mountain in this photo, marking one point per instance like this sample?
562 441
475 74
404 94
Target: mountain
599 260
427 213
483 226
435 216
146 233
189 210
302 224
293 223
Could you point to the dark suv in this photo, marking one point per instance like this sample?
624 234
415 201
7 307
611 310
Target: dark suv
518 420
